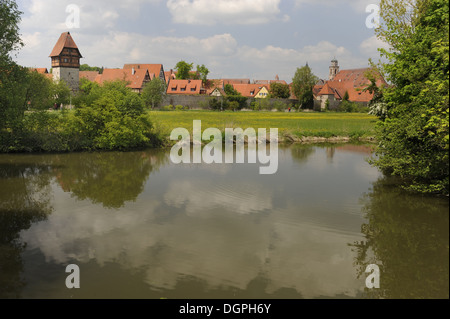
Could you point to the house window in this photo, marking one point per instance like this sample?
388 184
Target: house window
193 89
65 60
174 89
183 89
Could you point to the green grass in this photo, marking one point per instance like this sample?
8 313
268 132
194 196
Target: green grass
353 125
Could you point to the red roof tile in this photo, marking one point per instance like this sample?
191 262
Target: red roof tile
136 80
189 87
249 90
154 69
351 81
64 41
89 75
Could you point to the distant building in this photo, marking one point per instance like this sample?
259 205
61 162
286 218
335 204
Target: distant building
352 81
236 81
66 61
252 90
42 71
184 87
136 78
155 70
89 75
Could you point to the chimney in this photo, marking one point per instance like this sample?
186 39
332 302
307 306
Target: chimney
133 71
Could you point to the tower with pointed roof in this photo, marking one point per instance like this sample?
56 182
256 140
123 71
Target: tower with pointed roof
334 69
66 61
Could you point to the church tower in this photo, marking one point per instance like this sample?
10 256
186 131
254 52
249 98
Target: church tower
66 61
334 69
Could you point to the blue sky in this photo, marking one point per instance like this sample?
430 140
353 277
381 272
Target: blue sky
256 39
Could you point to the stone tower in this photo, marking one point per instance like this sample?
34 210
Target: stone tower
66 61
334 69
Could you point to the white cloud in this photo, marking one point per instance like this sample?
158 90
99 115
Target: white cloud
206 12
357 5
370 46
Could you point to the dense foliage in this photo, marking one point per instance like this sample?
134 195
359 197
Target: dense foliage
280 91
414 131
302 85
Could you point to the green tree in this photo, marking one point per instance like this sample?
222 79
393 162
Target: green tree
61 92
346 96
13 102
9 28
302 85
229 90
203 72
183 70
39 91
154 92
87 67
414 137
280 91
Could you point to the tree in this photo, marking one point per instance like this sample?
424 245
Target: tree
154 92
302 85
229 90
13 103
87 67
9 30
203 72
346 96
61 93
183 70
280 91
414 136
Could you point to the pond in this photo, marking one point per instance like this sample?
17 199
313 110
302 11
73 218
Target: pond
139 226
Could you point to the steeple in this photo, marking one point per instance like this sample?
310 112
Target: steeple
334 69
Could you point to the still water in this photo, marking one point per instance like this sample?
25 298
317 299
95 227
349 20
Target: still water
139 226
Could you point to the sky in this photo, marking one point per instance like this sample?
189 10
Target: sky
255 39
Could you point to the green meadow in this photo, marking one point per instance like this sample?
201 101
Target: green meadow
299 124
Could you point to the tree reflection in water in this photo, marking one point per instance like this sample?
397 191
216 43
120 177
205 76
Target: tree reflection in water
24 199
111 179
408 237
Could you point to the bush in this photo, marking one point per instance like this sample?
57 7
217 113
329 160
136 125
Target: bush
167 108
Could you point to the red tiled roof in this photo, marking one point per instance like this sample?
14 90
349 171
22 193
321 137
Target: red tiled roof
39 70
351 81
64 41
154 69
326 90
136 80
249 90
278 81
236 81
89 75
211 85
189 87
170 75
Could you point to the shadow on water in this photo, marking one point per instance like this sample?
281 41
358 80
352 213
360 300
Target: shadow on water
24 200
407 236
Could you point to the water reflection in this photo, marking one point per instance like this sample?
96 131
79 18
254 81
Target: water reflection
107 178
408 237
199 231
24 200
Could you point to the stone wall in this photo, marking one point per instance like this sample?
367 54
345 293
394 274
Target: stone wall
202 101
69 75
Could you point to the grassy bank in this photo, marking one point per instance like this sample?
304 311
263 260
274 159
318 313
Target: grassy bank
294 127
